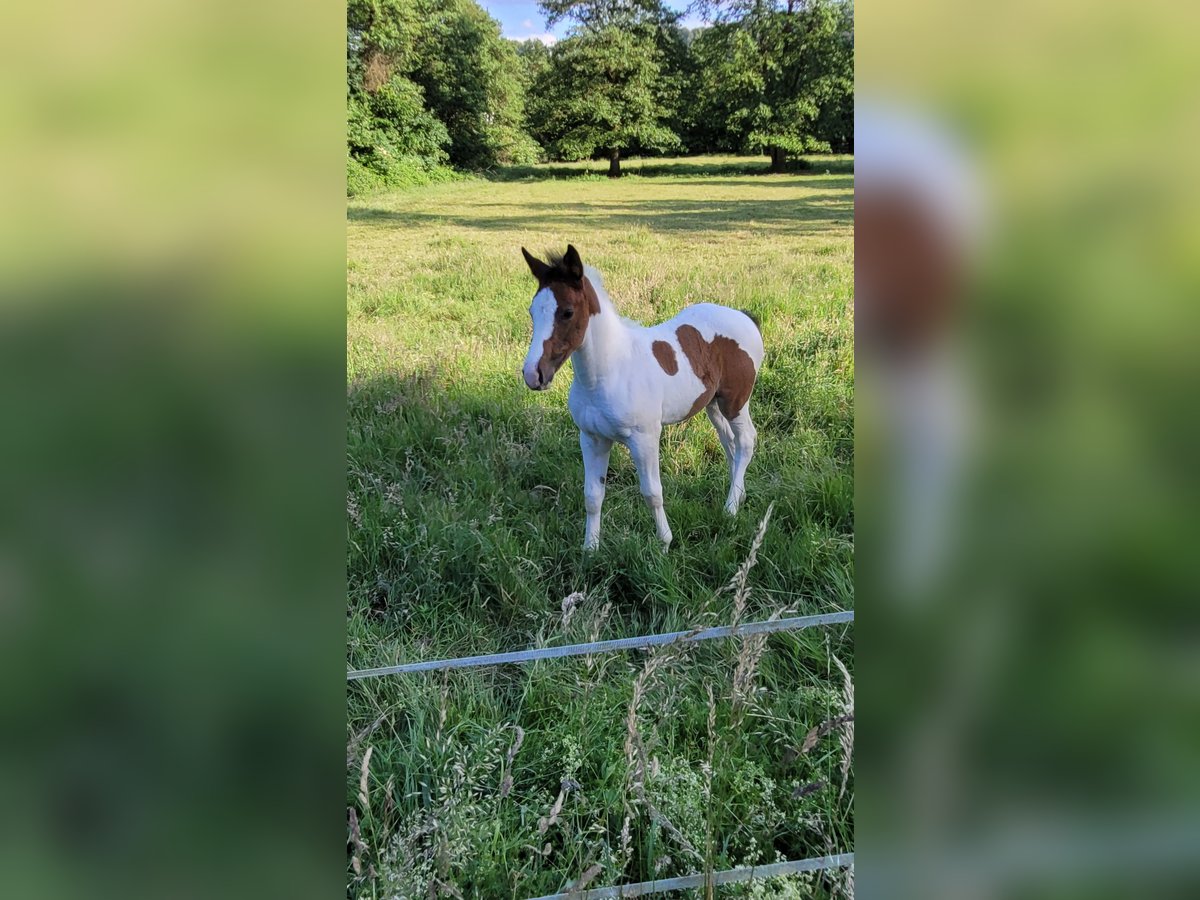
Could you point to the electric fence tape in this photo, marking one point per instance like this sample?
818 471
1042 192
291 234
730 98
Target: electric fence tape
729 876
634 643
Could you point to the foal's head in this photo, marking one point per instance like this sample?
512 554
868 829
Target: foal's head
560 310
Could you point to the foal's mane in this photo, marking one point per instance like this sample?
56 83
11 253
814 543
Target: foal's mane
557 270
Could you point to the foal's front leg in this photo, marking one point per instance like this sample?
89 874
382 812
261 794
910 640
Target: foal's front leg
595 466
643 447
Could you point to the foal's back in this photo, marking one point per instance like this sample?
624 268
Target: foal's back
712 318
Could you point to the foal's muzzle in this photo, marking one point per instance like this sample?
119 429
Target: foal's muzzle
539 377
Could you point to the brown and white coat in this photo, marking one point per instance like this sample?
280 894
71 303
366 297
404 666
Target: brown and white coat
631 379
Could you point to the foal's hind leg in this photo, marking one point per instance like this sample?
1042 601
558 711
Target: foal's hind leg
724 435
744 436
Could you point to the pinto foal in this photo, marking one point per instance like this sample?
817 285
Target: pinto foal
630 379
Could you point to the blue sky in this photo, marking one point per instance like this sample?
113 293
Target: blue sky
522 19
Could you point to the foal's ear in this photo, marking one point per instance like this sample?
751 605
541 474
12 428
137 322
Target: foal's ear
572 263
536 266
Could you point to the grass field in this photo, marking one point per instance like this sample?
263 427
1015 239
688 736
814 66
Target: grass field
465 521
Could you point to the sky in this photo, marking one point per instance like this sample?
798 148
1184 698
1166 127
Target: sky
521 19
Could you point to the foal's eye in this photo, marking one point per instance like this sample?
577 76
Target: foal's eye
566 313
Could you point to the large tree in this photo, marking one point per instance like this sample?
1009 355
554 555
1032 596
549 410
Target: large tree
609 86
388 124
472 78
778 76
429 82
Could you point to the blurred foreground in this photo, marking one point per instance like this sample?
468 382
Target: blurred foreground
1027 267
171 621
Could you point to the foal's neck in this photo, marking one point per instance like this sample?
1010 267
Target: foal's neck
606 345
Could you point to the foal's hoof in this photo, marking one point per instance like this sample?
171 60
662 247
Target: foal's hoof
590 546
731 509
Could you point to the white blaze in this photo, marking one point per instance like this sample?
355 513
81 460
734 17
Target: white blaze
541 310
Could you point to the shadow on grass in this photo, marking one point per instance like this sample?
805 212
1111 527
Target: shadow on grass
814 214
654 168
824 179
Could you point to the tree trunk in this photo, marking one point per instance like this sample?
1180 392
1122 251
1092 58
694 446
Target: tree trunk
614 163
778 159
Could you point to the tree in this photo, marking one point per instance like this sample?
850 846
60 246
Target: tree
608 87
729 87
831 74
472 78
778 76
535 59
390 133
603 92
392 121
430 82
601 14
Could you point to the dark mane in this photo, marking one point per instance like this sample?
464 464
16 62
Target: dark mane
558 270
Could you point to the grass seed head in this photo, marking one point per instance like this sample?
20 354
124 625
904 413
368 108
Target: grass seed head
739 584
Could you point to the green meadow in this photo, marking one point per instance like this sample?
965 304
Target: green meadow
464 516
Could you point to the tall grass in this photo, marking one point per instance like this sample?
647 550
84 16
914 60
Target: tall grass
465 519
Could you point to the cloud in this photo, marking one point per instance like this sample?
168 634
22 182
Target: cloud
528 23
548 39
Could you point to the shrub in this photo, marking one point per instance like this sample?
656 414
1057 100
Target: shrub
379 172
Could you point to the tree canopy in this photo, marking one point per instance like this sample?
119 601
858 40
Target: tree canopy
432 84
472 79
778 77
606 90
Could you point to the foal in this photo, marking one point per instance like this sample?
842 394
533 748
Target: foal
630 380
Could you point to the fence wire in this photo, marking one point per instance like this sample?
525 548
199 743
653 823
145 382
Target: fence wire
729 876
633 643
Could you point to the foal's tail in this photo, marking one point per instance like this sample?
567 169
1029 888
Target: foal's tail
753 318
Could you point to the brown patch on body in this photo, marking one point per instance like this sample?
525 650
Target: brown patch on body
665 354
725 369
